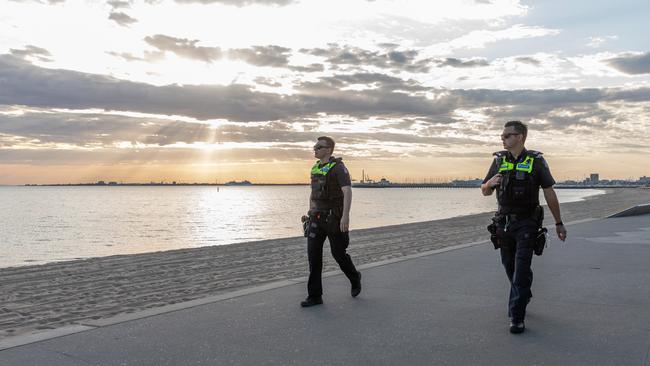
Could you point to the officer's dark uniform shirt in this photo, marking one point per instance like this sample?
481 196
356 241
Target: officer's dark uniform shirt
541 173
337 177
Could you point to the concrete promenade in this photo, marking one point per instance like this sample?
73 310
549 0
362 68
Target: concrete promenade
591 306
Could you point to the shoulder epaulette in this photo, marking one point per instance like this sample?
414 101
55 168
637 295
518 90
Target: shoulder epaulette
535 154
501 153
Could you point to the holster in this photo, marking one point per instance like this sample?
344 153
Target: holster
540 241
496 231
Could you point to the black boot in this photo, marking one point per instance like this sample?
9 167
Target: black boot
311 301
356 286
517 327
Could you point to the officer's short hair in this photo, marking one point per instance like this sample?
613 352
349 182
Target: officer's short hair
330 141
519 126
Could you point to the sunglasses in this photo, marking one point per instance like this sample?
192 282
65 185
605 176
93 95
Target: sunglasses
318 147
507 135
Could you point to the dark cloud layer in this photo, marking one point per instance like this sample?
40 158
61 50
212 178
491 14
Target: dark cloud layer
22 83
380 96
634 65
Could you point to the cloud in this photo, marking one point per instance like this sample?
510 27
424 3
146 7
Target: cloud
455 62
119 4
51 137
631 64
121 18
480 38
239 3
528 60
266 81
185 48
274 56
148 56
308 68
597 42
354 56
34 52
378 81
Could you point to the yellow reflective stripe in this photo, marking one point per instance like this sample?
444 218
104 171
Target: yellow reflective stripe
526 165
505 165
322 170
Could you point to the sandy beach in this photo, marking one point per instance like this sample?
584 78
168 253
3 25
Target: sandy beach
35 298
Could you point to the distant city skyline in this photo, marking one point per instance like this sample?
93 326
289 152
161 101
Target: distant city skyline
206 90
593 179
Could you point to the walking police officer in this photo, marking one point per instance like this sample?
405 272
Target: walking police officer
328 217
516 174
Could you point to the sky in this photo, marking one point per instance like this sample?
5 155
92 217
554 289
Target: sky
220 90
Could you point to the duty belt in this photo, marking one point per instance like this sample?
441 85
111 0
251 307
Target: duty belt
320 214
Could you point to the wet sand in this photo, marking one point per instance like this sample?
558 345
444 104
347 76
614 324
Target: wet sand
49 296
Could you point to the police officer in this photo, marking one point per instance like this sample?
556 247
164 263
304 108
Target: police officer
328 217
516 174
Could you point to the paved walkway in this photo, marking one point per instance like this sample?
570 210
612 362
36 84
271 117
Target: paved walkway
591 306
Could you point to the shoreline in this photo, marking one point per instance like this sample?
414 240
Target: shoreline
48 296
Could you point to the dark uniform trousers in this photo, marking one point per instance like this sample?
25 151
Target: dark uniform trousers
517 247
320 228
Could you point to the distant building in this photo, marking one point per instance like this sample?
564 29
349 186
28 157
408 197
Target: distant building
242 183
467 183
594 178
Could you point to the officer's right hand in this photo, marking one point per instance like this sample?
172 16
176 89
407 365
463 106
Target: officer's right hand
495 181
561 232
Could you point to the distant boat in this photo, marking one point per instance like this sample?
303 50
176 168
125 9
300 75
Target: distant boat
383 182
242 183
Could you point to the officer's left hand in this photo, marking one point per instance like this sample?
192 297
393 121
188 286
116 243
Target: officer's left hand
345 223
561 232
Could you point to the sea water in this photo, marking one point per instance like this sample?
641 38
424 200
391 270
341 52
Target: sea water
47 224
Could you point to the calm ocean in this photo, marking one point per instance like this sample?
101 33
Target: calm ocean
47 224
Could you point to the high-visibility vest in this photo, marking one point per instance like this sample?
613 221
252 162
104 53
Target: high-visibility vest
322 187
520 193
